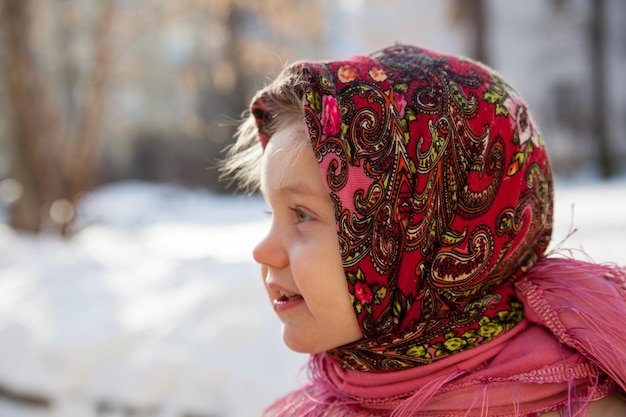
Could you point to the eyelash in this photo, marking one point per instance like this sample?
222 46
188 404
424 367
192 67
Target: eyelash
301 216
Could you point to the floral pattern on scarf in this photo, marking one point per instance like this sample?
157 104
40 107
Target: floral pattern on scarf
443 196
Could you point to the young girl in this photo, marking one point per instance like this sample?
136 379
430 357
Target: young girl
411 200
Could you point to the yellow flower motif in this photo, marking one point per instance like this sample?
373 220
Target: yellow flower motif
489 329
418 351
454 343
470 336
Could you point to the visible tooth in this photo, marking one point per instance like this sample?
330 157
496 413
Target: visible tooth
288 295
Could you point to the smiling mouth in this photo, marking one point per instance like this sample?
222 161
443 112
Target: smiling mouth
286 300
288 296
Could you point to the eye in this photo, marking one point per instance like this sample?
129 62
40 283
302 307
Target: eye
301 215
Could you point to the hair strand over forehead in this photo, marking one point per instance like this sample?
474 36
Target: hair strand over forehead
277 104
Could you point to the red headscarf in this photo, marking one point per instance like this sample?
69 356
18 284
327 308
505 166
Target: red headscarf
443 195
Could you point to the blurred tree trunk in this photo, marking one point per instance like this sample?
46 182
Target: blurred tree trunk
597 37
233 51
479 18
473 15
32 165
80 166
51 163
226 93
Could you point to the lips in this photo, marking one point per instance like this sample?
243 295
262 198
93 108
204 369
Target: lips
286 300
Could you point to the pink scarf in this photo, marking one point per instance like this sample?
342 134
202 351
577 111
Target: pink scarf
558 358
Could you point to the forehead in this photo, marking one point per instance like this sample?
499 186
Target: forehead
288 163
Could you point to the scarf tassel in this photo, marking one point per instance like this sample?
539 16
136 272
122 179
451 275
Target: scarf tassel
582 309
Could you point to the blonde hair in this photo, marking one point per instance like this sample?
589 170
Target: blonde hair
281 104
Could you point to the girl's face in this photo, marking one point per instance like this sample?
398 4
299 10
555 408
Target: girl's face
300 256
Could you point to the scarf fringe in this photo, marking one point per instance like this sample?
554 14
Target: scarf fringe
321 399
316 399
422 396
584 305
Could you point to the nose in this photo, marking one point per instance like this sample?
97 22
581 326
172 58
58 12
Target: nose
270 251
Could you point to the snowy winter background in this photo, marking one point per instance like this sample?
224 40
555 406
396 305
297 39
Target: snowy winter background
155 309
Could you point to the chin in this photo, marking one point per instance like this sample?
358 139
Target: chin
304 345
312 345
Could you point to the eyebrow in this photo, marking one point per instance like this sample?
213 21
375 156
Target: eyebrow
297 187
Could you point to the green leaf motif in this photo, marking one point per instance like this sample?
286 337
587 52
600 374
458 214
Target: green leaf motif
497 95
315 100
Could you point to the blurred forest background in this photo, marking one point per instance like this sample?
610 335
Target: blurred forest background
97 91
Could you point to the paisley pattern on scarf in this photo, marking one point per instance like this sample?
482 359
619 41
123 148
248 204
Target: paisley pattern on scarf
443 195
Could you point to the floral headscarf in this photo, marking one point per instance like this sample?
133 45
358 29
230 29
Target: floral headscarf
442 191
443 194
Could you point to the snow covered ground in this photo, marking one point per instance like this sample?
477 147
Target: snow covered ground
155 308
